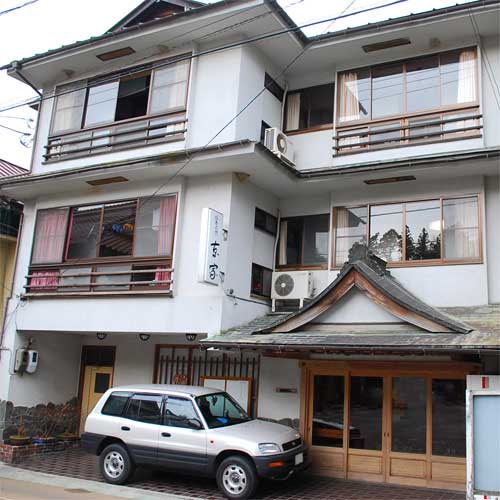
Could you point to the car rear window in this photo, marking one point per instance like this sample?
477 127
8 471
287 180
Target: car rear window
116 403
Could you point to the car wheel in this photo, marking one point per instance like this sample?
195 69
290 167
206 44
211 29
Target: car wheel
237 478
116 464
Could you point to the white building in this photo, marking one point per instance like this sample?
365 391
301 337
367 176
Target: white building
392 140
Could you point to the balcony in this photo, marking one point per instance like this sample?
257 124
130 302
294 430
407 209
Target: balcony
127 134
464 123
92 279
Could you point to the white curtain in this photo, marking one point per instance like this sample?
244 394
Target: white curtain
283 240
349 97
466 91
169 87
68 109
292 111
461 228
342 240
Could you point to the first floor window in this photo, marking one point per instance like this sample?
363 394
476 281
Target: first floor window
303 241
261 280
443 229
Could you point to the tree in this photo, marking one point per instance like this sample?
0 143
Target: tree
410 246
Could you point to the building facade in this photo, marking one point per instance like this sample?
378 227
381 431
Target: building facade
160 218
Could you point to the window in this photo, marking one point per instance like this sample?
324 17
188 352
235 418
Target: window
151 91
145 408
273 87
116 403
310 107
261 280
411 86
178 412
266 222
441 230
50 234
221 410
303 241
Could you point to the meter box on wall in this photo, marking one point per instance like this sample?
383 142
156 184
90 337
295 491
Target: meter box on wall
483 437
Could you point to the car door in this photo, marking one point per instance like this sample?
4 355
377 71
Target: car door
181 446
140 427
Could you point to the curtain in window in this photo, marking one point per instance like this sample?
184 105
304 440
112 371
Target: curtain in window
342 242
168 208
293 111
68 108
49 236
466 91
169 88
283 243
349 97
461 229
44 281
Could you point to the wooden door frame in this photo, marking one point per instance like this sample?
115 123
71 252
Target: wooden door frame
83 366
387 370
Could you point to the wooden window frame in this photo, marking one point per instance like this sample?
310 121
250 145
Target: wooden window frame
404 62
315 128
302 266
88 262
117 76
413 263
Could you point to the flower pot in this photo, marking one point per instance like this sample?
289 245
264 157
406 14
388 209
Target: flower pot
43 440
17 440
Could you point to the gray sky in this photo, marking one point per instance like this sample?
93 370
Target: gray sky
48 24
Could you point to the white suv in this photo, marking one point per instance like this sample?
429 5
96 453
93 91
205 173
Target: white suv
190 429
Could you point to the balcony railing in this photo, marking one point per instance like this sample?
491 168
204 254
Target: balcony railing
93 279
128 134
419 129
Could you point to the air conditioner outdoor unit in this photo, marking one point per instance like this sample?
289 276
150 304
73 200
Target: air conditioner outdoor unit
277 142
293 285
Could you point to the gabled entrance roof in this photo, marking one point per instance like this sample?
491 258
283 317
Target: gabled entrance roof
369 275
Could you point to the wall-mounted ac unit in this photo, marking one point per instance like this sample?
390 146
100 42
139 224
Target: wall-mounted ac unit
292 285
277 142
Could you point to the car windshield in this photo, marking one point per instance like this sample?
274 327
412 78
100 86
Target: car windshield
221 410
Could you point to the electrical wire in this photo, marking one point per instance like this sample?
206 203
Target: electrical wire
229 46
15 130
18 7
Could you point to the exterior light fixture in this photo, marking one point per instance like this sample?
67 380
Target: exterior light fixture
101 335
144 336
191 337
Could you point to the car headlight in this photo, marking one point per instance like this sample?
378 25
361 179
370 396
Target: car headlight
269 448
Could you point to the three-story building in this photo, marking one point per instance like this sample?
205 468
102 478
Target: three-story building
185 172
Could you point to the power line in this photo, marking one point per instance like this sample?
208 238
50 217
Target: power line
18 7
258 38
14 130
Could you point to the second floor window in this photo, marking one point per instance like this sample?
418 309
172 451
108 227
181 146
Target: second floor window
134 228
443 230
309 108
303 241
153 91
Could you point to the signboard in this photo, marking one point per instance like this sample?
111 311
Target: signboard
483 437
211 247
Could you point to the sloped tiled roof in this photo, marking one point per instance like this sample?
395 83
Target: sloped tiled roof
8 169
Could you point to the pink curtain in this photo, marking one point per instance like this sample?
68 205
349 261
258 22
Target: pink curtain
49 236
162 275
167 221
44 280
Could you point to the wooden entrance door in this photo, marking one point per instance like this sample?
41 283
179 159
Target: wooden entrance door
377 423
96 381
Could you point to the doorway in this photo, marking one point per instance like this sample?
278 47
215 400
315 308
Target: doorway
96 377
402 424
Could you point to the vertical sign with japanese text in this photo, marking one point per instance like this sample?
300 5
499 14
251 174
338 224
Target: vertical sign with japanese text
211 246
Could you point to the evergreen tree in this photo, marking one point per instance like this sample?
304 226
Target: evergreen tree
410 246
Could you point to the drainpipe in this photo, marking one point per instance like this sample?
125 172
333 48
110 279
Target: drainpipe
283 106
14 270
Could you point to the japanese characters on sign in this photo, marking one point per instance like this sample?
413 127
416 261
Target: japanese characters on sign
211 246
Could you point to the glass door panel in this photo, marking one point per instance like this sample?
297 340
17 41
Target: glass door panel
409 398
366 413
328 411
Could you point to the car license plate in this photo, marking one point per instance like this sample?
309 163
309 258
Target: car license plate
299 458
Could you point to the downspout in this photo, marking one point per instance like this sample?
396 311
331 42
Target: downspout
14 269
283 107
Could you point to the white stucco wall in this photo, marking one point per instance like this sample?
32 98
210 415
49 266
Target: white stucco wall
279 373
492 224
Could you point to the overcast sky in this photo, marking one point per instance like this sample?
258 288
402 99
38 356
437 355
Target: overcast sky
47 24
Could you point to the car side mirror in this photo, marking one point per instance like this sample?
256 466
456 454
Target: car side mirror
195 424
